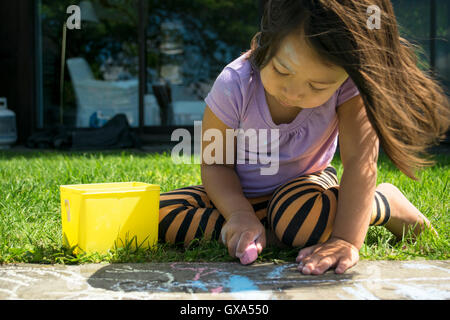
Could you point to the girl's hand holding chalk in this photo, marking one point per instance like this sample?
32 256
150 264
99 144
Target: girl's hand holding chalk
244 236
250 254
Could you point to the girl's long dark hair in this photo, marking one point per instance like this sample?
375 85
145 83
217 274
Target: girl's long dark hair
406 106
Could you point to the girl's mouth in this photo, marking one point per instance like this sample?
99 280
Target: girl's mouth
284 104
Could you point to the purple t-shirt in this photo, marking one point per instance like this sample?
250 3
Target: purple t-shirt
304 146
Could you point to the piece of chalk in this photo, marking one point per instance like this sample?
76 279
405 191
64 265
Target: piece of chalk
250 254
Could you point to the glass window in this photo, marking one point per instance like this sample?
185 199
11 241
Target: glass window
442 42
188 43
413 17
101 62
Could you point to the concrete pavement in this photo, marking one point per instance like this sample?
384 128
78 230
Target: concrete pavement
371 280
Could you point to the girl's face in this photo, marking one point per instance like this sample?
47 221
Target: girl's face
295 76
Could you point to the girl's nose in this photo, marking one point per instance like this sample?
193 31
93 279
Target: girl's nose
293 94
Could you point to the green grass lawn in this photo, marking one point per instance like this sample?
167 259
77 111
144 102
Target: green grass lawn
30 217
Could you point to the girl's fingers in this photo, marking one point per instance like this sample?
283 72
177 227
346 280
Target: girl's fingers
303 253
324 264
309 264
223 236
344 264
245 240
260 242
251 252
232 244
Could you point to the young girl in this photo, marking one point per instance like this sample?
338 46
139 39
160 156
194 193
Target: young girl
314 70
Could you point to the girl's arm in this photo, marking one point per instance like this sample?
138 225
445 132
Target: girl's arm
356 196
358 144
220 180
224 189
222 184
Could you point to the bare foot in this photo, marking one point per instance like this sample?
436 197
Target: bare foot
404 215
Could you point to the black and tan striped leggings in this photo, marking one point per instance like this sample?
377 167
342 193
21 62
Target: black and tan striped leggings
301 212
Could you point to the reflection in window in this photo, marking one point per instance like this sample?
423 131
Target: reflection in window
414 17
101 74
188 44
443 41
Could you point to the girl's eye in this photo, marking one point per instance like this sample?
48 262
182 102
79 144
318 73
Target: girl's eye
315 89
281 74
286 74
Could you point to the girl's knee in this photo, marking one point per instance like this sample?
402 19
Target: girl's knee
305 223
387 187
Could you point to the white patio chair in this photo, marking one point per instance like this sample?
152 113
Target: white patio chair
109 97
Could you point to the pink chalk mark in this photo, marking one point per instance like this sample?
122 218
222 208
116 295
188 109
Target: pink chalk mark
198 274
217 290
199 271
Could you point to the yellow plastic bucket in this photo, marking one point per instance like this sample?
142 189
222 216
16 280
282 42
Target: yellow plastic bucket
101 216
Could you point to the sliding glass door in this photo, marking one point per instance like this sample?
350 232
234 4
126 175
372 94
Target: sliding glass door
426 23
95 44
186 44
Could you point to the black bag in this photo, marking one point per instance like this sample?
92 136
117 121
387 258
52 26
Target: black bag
56 137
115 134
